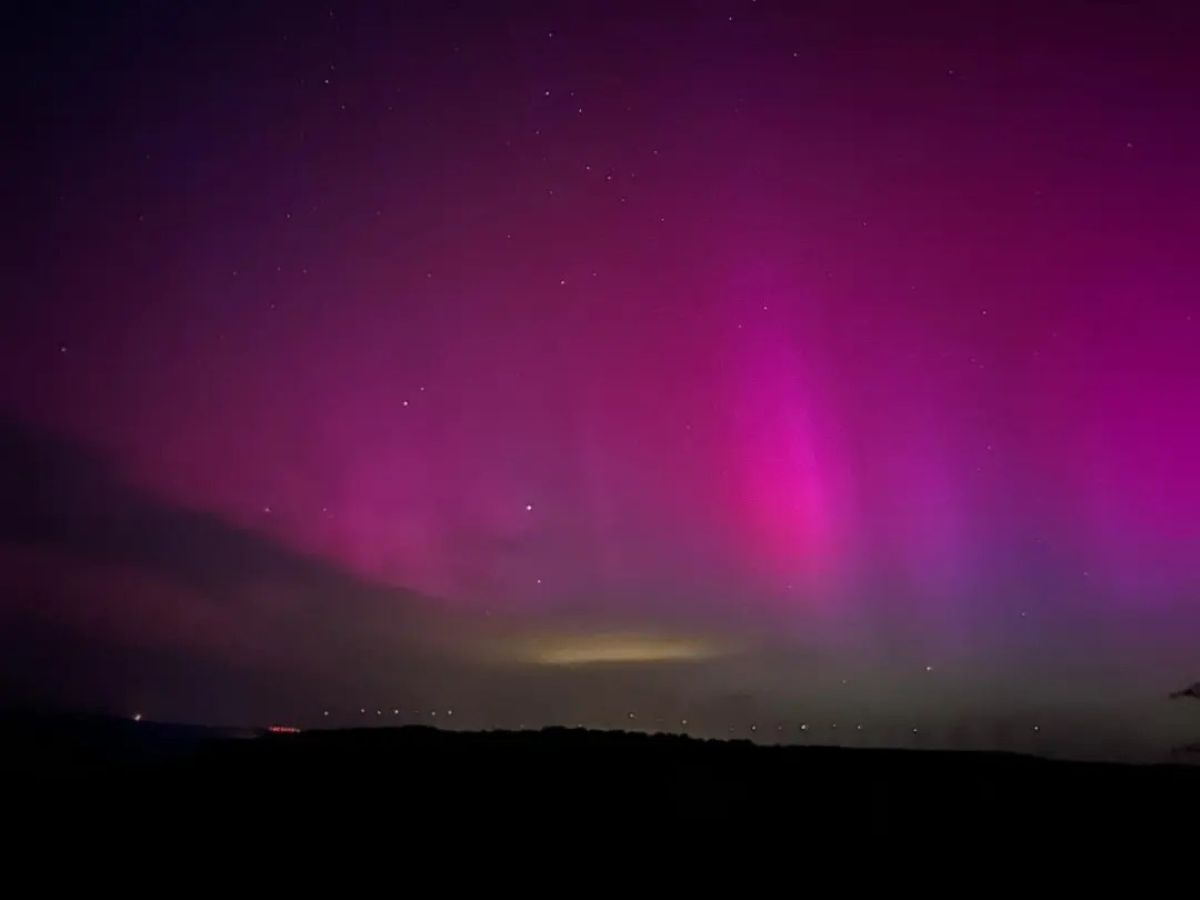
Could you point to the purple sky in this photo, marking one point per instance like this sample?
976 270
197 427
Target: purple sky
744 362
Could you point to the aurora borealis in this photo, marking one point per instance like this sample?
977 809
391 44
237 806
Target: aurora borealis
748 363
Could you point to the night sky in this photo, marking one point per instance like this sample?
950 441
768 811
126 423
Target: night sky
753 364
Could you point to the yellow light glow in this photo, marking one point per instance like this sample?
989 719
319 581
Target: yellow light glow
576 650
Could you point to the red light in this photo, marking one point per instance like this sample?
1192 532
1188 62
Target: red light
282 729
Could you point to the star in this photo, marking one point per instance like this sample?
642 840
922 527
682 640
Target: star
528 507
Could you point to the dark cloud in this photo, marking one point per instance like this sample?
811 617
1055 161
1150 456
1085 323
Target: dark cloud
61 494
1193 692
152 592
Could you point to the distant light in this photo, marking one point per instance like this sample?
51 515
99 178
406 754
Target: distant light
1037 727
528 507
804 726
632 716
137 717
754 728
282 729
583 649
835 724
433 712
325 713
395 712
914 731
449 712
362 710
929 668
683 722
858 728
379 712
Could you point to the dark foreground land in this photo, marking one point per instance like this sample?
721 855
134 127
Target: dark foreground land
119 778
